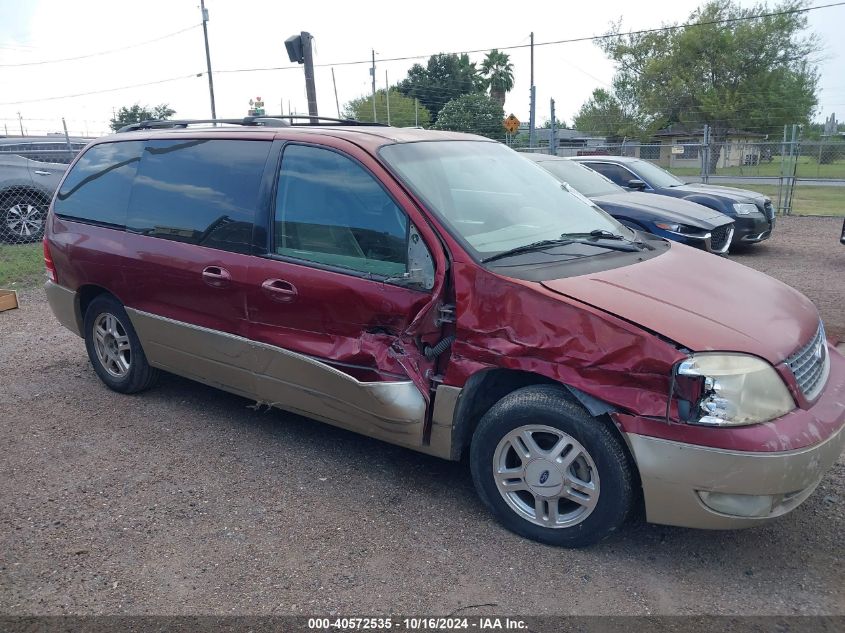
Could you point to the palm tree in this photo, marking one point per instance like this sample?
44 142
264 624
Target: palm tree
498 70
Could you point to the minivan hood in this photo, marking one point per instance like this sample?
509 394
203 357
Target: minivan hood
665 208
731 193
701 301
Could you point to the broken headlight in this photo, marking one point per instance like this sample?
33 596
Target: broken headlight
734 389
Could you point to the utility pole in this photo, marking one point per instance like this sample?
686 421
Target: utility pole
67 139
553 131
310 90
532 135
208 57
20 120
336 102
387 95
373 75
416 112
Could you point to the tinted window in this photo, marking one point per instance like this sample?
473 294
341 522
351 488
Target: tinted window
581 178
617 174
203 192
331 211
97 188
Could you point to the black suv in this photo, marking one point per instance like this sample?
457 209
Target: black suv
753 214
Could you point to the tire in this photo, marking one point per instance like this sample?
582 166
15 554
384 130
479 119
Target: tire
23 216
590 482
114 349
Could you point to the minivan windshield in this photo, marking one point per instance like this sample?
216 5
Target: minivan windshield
493 198
655 176
583 179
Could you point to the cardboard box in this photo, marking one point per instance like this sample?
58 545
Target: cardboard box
8 300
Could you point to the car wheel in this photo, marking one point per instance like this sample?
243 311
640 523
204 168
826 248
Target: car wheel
22 217
549 471
114 348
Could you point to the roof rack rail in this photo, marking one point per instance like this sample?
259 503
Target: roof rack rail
282 120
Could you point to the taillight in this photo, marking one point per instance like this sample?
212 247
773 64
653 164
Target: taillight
48 263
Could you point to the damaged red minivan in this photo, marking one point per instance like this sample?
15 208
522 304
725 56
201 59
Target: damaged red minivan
438 291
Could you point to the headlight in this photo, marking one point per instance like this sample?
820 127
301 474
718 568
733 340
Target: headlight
745 208
736 389
683 229
668 227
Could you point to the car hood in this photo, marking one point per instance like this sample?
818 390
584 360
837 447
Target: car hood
665 208
731 193
701 301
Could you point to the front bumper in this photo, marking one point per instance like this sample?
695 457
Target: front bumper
752 228
675 472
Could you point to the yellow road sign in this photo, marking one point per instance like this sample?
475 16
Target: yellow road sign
511 124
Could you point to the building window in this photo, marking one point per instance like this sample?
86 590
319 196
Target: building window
690 146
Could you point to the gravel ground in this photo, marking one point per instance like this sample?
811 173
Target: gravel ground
185 500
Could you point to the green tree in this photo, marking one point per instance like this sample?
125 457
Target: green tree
727 70
605 115
497 70
547 124
476 113
402 109
137 113
443 78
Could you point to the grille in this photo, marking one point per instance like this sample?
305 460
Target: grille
719 237
810 365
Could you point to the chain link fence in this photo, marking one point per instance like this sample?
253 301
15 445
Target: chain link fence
30 171
803 177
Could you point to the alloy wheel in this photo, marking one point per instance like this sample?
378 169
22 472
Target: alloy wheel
546 476
24 221
111 343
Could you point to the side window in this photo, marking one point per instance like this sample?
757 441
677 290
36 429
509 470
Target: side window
97 188
200 191
330 210
617 174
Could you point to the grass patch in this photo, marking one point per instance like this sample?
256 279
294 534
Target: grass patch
21 265
808 200
807 168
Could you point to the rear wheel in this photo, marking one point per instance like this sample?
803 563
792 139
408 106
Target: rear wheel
549 471
114 348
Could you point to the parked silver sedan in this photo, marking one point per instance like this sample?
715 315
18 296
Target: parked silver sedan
30 171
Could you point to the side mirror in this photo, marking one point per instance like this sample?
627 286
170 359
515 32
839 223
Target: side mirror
636 184
420 273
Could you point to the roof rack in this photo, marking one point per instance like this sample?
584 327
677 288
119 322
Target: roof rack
282 120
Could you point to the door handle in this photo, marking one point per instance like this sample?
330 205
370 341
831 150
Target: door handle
215 276
279 289
41 172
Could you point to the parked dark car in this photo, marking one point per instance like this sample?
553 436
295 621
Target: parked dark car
30 171
753 213
438 291
672 218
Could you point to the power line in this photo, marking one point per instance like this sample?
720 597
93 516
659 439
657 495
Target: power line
96 92
555 42
98 54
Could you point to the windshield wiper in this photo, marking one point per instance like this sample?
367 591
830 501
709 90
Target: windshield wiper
602 234
526 248
571 238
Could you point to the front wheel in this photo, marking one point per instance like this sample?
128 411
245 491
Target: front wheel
549 471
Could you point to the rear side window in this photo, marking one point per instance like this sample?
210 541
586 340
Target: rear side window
617 174
201 191
97 188
330 210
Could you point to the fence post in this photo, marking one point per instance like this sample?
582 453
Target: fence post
553 131
705 154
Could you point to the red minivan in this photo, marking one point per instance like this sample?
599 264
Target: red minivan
439 291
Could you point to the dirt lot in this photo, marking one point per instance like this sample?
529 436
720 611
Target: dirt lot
185 500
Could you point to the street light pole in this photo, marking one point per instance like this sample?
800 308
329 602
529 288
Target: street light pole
208 57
